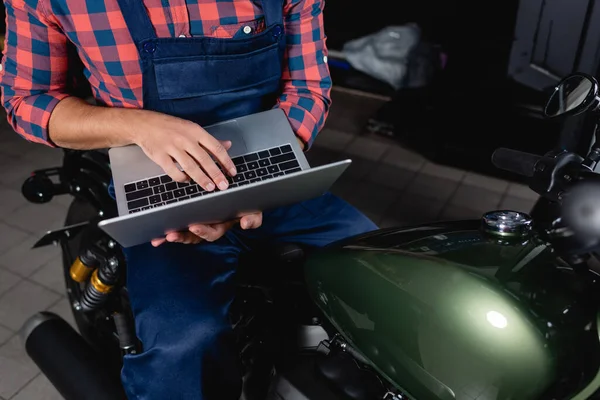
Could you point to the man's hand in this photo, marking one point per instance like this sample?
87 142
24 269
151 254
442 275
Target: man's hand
210 233
168 140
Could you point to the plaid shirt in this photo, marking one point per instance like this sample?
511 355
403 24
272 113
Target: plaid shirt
34 77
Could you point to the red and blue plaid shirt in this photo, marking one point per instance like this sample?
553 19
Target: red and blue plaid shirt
36 61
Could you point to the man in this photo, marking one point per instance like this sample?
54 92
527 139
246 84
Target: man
160 70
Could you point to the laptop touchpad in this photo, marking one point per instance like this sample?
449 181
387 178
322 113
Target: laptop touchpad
232 132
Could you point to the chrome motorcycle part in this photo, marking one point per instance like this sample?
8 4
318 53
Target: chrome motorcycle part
507 223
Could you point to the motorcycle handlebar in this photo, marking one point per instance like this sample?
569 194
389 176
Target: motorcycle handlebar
515 161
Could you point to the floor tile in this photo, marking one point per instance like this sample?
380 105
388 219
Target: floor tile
22 301
38 218
476 198
390 176
517 204
39 388
443 172
51 276
404 158
17 148
5 334
411 210
486 182
367 148
455 212
320 156
63 310
522 191
23 260
333 139
7 280
349 113
345 187
372 200
360 168
16 368
11 200
15 173
10 237
432 187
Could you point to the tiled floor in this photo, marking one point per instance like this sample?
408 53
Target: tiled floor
391 185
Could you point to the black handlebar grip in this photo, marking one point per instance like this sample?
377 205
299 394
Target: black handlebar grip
515 161
125 330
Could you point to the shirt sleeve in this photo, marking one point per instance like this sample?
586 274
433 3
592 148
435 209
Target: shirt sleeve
306 81
34 71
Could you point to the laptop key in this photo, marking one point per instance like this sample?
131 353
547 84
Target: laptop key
196 195
172 201
155 199
191 189
154 181
289 165
282 158
286 149
182 184
238 161
159 204
293 170
264 178
263 154
242 183
250 175
171 186
130 188
167 196
141 185
165 179
255 180
242 168
275 151
251 157
261 172
146 208
252 165
137 203
272 169
238 178
183 198
139 194
233 185
159 189
275 175
179 193
134 211
264 163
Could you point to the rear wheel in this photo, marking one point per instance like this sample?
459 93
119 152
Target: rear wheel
96 326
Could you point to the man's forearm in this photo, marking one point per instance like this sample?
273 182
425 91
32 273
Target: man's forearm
75 124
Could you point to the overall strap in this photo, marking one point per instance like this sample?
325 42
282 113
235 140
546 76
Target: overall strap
273 11
137 20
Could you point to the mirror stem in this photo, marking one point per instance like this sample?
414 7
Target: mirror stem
593 156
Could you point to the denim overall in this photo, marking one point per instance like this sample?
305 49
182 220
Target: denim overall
180 294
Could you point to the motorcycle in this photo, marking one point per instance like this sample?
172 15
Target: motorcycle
503 307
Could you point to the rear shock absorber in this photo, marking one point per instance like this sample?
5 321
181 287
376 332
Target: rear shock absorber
100 284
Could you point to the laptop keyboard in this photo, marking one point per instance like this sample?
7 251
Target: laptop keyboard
254 167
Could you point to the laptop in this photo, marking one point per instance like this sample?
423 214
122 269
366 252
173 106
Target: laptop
272 172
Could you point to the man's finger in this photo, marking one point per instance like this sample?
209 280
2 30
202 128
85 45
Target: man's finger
158 242
251 221
217 149
193 170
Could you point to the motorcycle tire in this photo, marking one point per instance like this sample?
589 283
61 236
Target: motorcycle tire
96 327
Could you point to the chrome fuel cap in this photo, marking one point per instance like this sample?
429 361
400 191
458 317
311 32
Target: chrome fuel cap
507 223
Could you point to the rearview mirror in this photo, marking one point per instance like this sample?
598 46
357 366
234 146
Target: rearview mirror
574 95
